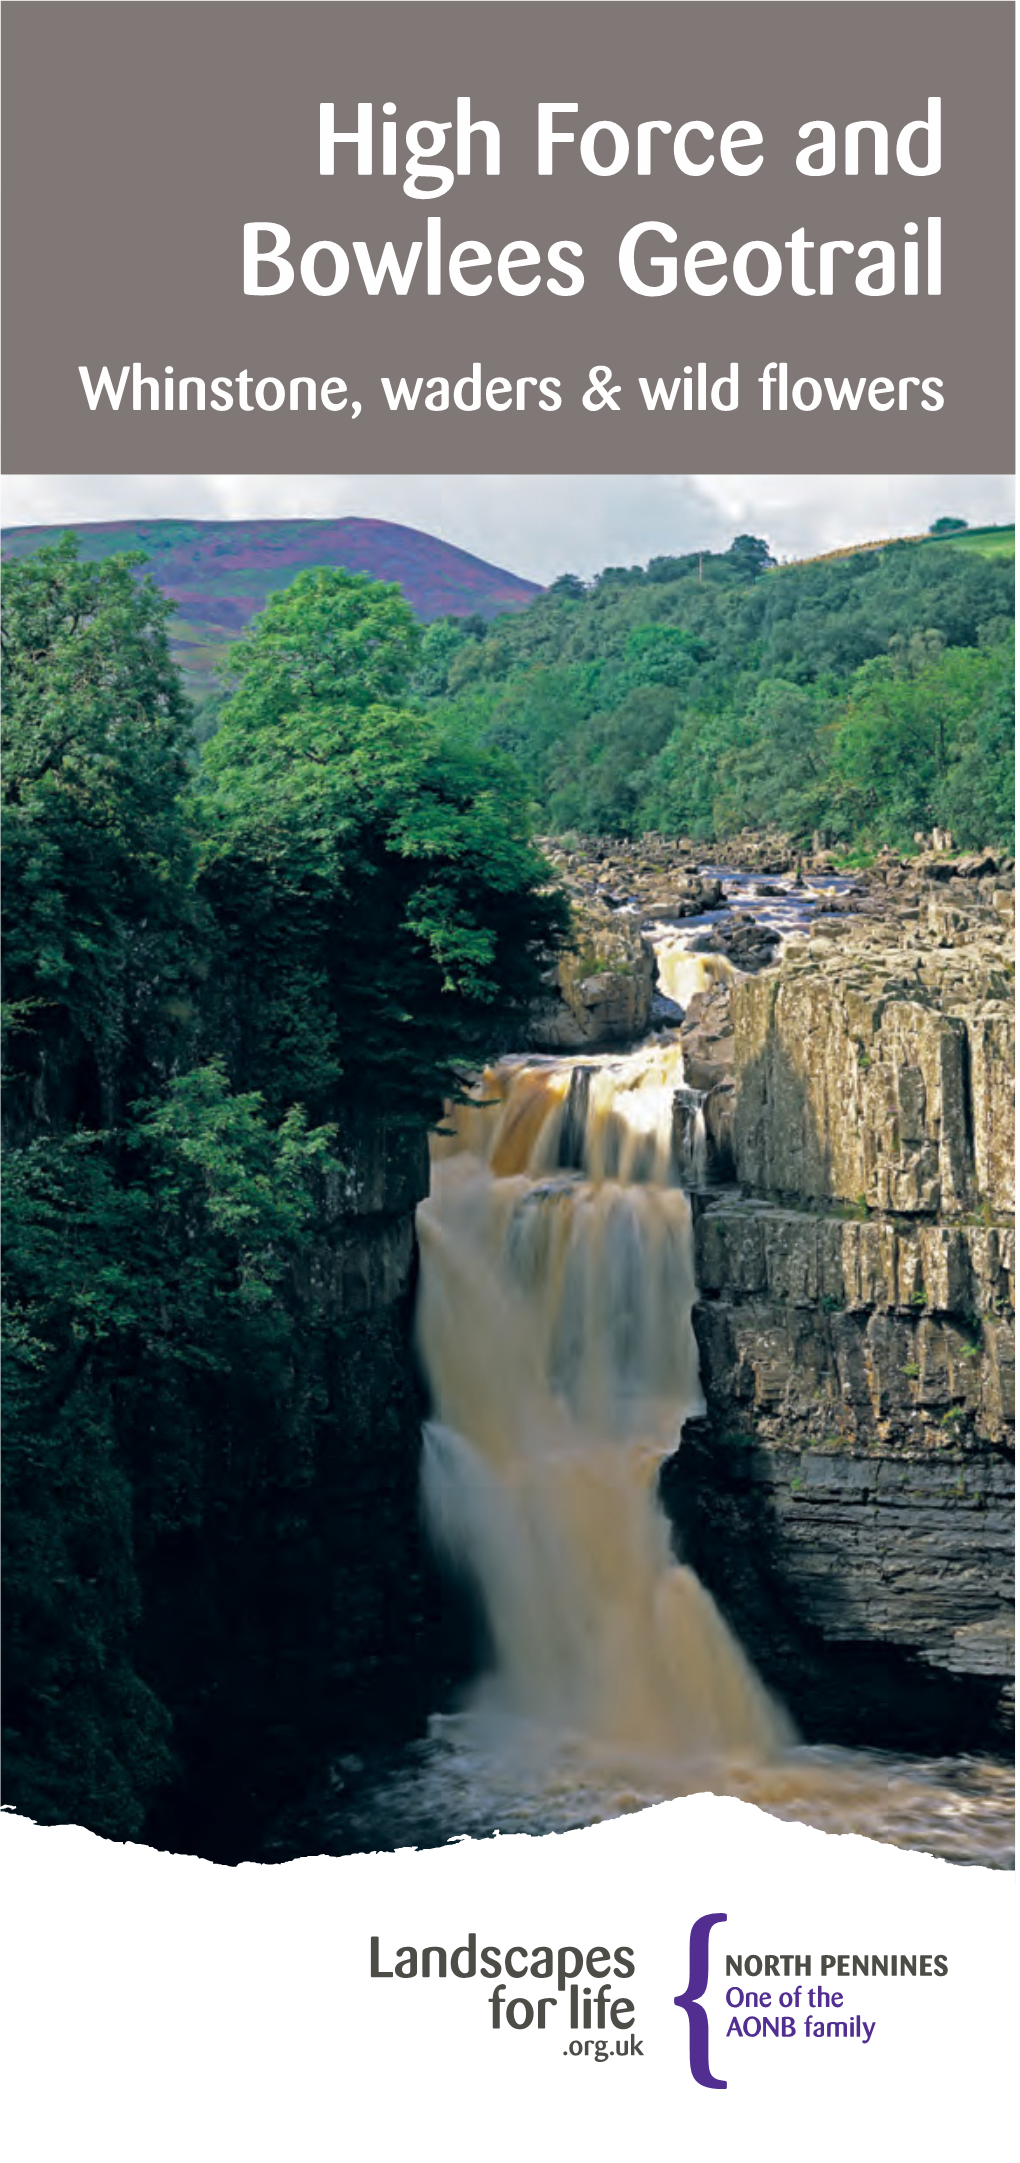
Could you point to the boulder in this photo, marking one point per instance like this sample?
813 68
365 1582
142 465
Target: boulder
748 944
600 993
706 1035
690 896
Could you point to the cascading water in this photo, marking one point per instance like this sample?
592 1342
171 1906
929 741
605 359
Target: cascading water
682 973
554 1325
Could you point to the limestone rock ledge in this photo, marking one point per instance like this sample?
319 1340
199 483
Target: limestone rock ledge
848 1495
856 1333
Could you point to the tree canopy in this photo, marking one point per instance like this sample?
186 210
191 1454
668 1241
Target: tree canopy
712 692
351 836
207 970
96 842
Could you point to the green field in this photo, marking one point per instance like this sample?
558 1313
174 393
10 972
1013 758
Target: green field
977 540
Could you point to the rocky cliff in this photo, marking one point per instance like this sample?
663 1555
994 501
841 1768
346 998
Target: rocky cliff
302 1607
848 1495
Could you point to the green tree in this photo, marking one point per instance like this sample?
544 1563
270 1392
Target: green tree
148 1339
384 913
602 780
749 555
979 791
362 908
919 730
96 841
555 684
773 776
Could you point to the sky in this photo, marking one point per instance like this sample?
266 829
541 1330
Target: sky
541 525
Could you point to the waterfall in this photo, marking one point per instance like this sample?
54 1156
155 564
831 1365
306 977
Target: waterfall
554 1326
682 973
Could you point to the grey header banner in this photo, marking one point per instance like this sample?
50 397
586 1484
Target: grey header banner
669 292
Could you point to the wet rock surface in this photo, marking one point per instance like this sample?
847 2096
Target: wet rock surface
626 898
748 944
706 1034
363 1257
661 863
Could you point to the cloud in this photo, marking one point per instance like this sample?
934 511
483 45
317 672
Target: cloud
539 525
805 513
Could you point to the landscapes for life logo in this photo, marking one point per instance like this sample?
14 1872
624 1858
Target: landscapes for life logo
768 1996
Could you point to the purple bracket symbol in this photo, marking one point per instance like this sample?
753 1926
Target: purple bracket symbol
696 2014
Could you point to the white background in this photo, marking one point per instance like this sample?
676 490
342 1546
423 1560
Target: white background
161 2007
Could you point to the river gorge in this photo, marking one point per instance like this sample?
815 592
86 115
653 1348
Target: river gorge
751 1196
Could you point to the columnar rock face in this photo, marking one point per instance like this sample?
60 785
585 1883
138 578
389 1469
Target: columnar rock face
848 1495
877 1069
863 1333
871 1588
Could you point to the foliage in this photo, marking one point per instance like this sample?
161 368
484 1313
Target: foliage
143 1273
926 738
712 692
96 844
199 970
371 868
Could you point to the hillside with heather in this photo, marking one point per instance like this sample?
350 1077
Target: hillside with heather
220 572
